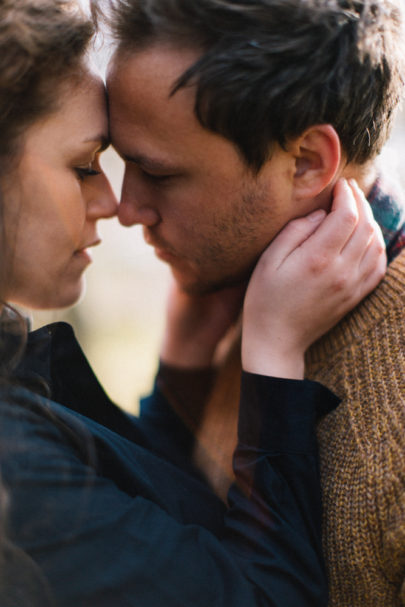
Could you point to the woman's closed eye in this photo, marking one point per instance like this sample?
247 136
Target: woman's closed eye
87 171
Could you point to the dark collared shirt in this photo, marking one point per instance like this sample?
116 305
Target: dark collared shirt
109 511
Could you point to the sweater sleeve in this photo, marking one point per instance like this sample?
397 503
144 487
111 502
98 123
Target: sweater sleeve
98 545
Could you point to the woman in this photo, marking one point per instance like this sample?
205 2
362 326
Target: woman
100 508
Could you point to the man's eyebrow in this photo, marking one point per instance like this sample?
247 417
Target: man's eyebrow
151 164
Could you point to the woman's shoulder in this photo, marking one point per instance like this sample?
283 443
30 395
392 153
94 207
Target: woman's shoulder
20 403
30 422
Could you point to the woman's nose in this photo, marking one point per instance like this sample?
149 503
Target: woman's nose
102 202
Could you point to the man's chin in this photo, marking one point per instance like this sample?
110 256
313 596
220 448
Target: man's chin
201 286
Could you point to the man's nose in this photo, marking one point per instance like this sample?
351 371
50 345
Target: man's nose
134 208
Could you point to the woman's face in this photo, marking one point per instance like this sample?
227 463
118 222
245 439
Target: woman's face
54 197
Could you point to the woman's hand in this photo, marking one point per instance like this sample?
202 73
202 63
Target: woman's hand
197 323
315 271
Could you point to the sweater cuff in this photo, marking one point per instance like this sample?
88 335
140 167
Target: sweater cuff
279 415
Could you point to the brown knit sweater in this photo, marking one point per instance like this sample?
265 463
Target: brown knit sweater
362 444
362 448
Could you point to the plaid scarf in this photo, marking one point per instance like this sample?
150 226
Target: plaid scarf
388 206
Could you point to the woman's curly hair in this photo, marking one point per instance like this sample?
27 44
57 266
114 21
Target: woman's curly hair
43 44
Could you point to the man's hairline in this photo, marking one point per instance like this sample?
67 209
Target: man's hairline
127 50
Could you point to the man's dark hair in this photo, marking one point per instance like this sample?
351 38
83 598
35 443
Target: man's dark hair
269 69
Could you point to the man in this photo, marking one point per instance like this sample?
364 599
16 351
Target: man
233 118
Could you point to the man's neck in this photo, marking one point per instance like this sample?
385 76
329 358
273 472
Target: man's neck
364 174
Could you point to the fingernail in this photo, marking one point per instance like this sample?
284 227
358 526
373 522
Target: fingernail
344 182
354 184
317 215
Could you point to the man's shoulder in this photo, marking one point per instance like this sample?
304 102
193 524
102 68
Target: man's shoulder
362 361
382 311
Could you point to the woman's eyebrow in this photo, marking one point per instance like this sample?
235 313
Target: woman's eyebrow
102 139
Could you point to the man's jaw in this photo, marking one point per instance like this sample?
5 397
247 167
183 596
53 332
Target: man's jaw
192 277
162 249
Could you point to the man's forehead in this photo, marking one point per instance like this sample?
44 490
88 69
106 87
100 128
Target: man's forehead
164 63
141 104
149 126
143 82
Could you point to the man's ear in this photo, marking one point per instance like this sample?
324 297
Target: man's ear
317 155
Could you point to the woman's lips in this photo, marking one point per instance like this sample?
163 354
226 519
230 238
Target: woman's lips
84 252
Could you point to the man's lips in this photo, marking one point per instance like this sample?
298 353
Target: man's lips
165 255
161 249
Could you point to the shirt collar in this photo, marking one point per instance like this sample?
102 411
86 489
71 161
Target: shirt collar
388 206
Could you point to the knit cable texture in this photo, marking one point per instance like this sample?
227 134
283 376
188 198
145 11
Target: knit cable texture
362 447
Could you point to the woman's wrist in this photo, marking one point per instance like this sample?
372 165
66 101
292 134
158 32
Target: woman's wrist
273 361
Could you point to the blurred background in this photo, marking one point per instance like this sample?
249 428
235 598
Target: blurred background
120 319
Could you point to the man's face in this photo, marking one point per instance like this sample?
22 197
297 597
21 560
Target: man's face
205 212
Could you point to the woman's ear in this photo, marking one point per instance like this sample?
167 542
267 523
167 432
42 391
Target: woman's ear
317 155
